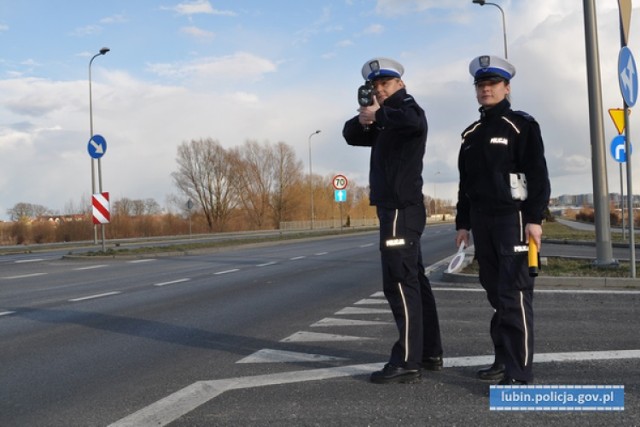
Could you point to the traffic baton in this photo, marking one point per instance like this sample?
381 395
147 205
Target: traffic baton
534 258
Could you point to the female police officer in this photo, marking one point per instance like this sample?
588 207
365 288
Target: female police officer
395 127
503 193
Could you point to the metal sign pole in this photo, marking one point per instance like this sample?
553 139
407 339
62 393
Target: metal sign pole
631 216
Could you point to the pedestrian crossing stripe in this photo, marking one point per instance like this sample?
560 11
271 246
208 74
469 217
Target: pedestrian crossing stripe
320 337
362 310
267 355
370 301
332 321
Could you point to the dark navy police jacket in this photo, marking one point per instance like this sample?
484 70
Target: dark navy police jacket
503 141
397 140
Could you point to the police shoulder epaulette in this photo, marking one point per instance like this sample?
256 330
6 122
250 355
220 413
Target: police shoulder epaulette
527 116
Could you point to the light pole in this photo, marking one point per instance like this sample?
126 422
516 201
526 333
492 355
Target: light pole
504 25
311 176
103 51
435 202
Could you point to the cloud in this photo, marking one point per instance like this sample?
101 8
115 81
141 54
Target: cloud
87 30
114 19
198 33
345 43
241 66
374 29
198 7
32 97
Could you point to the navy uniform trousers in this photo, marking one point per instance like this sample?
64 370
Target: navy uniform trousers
406 287
504 274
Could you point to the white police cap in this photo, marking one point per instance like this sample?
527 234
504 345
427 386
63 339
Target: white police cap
381 67
488 67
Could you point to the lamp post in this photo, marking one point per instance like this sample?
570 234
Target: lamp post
103 51
435 202
311 176
504 25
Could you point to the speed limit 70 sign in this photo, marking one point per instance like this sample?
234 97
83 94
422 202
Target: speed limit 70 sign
339 182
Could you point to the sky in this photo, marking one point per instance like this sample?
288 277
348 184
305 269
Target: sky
276 71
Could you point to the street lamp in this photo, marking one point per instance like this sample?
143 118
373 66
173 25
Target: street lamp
103 51
435 202
504 25
311 176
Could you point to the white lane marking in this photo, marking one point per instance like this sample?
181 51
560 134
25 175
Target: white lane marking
106 294
233 270
321 337
367 245
378 294
370 301
331 321
321 253
6 313
183 401
266 264
189 398
138 261
549 291
23 276
295 258
23 261
586 355
267 355
91 267
359 310
172 282
585 291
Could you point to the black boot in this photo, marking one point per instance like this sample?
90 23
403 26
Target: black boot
432 363
512 381
395 374
492 373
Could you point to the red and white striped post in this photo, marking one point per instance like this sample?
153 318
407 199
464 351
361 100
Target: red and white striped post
101 211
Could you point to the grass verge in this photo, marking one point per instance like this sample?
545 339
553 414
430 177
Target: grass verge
571 267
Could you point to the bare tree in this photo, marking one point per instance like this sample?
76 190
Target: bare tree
254 180
22 211
123 207
204 174
287 177
139 207
152 207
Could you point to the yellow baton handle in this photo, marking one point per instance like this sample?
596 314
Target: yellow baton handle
533 258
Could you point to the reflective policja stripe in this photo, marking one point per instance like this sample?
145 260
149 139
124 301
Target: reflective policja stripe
395 221
524 316
526 331
521 227
404 302
406 323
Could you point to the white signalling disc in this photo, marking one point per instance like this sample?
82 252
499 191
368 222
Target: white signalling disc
456 262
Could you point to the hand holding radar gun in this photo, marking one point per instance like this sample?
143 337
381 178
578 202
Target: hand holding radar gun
534 258
365 97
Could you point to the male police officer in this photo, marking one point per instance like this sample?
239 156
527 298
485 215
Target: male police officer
503 193
395 127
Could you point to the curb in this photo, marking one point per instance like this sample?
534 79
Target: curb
573 282
557 281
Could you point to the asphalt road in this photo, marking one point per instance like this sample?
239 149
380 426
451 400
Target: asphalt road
280 334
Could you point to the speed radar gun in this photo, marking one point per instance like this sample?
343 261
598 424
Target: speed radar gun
365 97
534 258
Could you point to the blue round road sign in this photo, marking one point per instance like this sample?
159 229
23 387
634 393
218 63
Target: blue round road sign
618 149
97 146
628 76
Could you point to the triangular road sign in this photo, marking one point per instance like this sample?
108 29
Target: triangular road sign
617 114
